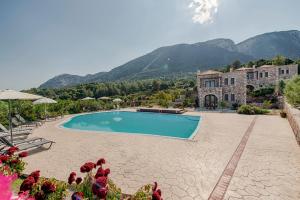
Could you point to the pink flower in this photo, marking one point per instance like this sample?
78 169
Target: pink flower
5 187
24 196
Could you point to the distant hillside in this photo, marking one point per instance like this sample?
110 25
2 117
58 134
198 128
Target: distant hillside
268 45
183 58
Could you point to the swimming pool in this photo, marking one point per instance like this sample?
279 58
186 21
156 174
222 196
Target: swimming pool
179 126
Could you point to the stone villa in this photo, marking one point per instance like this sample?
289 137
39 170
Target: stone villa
231 87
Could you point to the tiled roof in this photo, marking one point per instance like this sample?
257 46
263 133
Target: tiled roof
208 72
267 66
244 68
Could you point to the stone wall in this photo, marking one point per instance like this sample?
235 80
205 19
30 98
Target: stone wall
238 89
203 92
293 116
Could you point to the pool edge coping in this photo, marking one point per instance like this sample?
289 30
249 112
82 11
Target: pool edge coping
190 138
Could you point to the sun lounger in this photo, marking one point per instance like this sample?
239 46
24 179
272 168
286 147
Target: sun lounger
19 126
24 122
16 132
23 144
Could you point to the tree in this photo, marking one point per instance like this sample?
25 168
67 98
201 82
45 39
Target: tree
292 91
281 86
298 63
156 85
250 64
279 60
236 64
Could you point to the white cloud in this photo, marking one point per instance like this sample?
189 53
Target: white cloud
204 10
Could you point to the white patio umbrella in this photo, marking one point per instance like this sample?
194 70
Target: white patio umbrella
44 101
87 98
117 100
9 95
105 98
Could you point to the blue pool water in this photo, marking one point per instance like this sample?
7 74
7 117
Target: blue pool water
180 126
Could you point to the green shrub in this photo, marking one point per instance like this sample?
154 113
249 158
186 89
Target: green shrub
263 92
223 104
292 91
3 113
235 106
267 104
251 110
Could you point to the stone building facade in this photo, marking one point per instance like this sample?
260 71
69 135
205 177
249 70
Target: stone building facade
231 87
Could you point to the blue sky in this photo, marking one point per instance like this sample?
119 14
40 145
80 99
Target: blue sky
41 39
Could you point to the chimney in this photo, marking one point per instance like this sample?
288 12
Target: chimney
253 66
231 69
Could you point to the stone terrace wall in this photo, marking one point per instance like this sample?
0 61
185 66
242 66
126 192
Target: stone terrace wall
293 116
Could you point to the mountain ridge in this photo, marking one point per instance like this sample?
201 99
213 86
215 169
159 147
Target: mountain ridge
183 58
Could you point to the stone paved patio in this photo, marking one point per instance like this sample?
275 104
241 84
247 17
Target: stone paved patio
269 166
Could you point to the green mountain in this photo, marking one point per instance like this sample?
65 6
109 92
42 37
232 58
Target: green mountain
183 58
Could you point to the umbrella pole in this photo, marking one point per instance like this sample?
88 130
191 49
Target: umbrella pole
45 112
10 121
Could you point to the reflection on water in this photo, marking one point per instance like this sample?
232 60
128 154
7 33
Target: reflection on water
117 119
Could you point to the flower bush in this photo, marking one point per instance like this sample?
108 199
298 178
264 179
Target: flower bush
251 110
11 163
148 192
38 188
96 185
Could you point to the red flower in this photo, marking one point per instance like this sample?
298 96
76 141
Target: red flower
107 171
78 180
15 161
39 196
48 187
71 178
12 150
73 174
87 167
77 196
27 184
23 154
4 158
99 188
156 195
101 161
35 175
101 172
